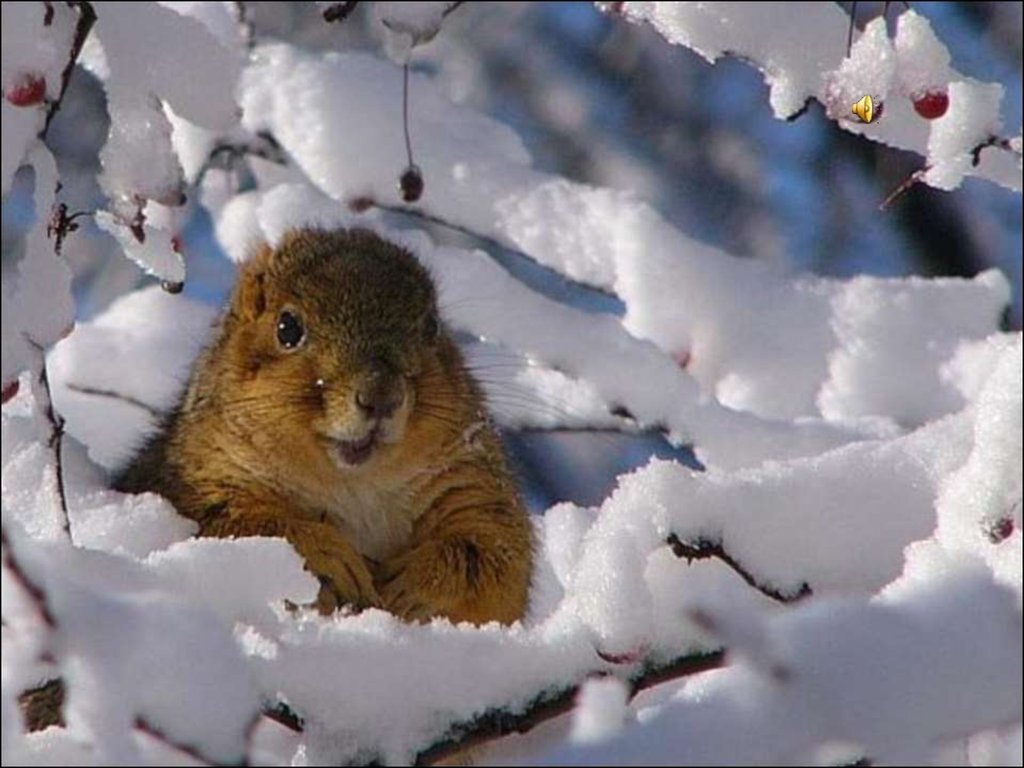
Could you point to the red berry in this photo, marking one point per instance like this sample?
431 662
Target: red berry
27 89
931 105
411 184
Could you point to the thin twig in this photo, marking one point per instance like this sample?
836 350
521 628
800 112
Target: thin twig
87 390
56 440
144 726
86 19
225 154
849 34
915 178
703 549
452 7
405 112
992 141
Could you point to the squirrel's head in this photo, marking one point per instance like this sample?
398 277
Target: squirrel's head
333 338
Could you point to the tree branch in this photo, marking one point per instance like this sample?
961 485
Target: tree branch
495 724
86 19
703 549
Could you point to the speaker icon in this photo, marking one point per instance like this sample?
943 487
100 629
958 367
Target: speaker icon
864 109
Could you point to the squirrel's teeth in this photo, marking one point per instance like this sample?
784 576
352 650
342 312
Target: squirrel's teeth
355 452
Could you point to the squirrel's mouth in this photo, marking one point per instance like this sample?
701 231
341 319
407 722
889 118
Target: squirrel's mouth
355 452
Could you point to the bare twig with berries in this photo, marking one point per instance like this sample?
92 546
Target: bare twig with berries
704 549
86 19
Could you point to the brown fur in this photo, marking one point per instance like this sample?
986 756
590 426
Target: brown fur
431 523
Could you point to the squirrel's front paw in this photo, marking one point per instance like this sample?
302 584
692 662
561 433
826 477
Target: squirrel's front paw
343 581
411 585
342 571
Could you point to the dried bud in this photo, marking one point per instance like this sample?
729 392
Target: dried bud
172 287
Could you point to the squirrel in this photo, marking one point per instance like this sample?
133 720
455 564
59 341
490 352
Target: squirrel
333 409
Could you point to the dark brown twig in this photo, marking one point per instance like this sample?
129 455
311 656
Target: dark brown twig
86 19
992 141
704 549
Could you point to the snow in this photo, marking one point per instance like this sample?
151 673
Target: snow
30 48
861 438
678 293
407 25
600 710
31 325
155 253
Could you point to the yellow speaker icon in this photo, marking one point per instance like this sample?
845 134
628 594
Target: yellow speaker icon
864 109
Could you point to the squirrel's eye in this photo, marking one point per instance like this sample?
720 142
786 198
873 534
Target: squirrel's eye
431 328
289 330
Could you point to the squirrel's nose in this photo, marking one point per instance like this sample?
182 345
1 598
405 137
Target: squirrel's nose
379 399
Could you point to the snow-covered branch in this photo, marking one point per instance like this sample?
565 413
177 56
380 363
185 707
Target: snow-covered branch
807 60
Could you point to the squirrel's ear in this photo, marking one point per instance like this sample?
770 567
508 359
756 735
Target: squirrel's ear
250 299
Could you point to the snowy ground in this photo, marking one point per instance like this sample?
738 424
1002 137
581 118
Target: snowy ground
862 438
